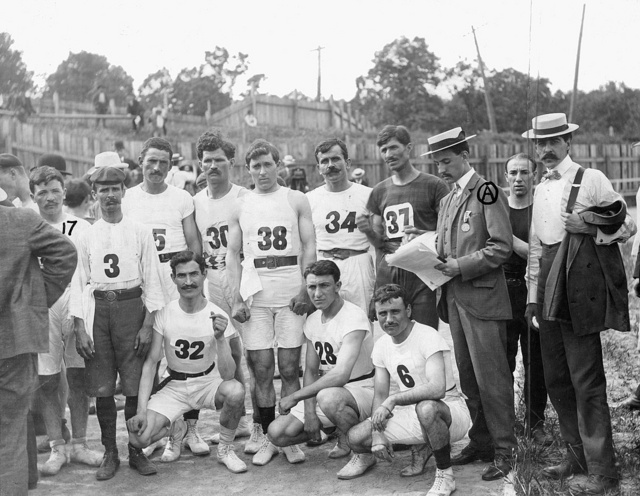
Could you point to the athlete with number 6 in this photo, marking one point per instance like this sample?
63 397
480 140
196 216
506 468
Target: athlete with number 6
115 293
273 226
427 409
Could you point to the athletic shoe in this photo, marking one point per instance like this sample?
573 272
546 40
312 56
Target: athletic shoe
149 450
80 453
254 443
294 454
174 445
420 455
444 483
139 462
243 430
341 449
266 452
57 459
193 441
357 466
227 456
109 465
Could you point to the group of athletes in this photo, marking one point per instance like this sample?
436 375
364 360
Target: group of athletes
173 292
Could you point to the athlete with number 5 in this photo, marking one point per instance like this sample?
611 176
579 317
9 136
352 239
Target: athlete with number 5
274 227
115 293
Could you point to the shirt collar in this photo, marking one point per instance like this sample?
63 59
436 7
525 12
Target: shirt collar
464 180
564 166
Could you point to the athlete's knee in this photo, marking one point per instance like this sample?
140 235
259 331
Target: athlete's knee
331 400
359 437
289 369
234 393
49 384
427 411
276 431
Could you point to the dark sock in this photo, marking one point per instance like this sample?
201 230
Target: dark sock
191 415
443 457
130 407
107 415
267 415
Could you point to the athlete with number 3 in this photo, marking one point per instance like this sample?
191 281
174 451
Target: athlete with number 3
115 293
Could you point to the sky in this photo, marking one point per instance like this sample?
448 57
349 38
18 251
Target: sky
538 37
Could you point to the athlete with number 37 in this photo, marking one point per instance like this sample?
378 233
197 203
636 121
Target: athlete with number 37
115 293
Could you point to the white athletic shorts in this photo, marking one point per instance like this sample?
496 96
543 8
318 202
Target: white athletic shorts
220 294
404 426
362 392
180 397
62 340
358 278
269 327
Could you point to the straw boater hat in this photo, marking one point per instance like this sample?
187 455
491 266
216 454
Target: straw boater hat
288 160
549 125
446 140
357 173
3 195
106 159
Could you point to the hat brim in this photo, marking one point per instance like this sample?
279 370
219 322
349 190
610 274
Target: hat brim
448 146
532 134
3 195
94 168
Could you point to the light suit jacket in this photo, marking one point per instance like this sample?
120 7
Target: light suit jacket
481 250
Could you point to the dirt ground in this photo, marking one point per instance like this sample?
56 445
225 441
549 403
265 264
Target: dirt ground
203 475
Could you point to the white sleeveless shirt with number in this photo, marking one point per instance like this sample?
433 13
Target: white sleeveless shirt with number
189 344
327 338
212 219
162 213
334 217
270 228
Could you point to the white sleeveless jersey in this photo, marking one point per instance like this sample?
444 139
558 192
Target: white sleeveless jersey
212 219
270 228
327 338
72 226
189 344
162 213
406 361
334 217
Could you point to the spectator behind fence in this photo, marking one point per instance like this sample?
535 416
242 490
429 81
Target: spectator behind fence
37 264
101 104
136 112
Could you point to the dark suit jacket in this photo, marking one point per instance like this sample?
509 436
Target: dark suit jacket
481 289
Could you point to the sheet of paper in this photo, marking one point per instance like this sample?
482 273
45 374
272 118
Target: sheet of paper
420 257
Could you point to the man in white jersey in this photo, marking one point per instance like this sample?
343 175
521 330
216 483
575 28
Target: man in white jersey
427 408
274 228
115 293
334 206
47 187
338 377
214 206
194 334
169 213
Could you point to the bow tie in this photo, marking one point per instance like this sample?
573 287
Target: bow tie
551 174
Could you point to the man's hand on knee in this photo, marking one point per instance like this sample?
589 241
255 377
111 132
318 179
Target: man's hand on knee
137 424
312 426
381 447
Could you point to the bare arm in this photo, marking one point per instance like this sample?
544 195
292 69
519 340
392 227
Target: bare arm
520 248
240 311
191 234
226 364
148 372
434 389
301 304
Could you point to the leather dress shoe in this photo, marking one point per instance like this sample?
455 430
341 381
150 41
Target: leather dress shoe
566 468
109 465
497 470
469 455
139 462
595 484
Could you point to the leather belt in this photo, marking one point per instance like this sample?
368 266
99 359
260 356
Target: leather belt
363 377
342 253
166 257
118 294
182 376
273 262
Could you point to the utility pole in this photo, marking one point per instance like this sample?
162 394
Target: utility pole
575 77
487 89
319 49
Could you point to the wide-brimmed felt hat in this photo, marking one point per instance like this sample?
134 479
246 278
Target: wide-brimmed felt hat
549 125
56 161
107 159
446 140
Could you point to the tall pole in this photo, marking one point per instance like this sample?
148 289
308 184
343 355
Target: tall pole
575 77
487 89
319 49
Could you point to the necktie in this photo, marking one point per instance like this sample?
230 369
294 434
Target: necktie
551 175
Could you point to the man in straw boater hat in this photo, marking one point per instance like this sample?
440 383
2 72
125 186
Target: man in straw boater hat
577 290
474 240
115 294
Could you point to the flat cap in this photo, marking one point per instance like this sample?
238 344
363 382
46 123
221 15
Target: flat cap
8 160
108 175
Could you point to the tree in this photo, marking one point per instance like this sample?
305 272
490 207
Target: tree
226 67
77 78
191 91
14 76
154 87
399 87
613 105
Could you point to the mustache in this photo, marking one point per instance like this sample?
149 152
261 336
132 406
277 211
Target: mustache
189 286
549 155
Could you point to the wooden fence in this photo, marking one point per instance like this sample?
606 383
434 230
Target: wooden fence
619 162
